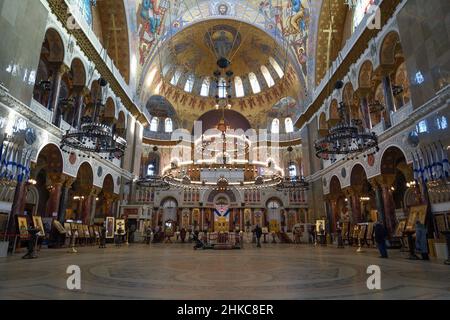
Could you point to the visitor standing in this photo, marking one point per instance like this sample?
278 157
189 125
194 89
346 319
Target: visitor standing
421 240
380 239
258 234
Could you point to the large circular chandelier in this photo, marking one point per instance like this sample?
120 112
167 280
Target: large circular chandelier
346 138
93 136
292 181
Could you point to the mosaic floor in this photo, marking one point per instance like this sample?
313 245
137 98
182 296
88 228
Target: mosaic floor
176 271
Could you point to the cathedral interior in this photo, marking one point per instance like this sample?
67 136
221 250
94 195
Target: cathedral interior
291 143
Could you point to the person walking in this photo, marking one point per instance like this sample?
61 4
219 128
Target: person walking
380 239
258 234
421 240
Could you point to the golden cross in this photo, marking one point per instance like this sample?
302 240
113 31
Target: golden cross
330 32
114 29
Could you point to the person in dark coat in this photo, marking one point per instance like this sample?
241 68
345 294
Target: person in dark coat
258 234
421 240
380 239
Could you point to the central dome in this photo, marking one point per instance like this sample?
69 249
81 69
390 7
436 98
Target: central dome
190 59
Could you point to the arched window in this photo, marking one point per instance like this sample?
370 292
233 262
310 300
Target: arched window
169 204
168 125
176 77
189 83
273 204
361 9
254 83
204 92
292 170
441 123
277 67
166 69
239 87
223 92
275 128
151 170
422 126
154 124
267 76
288 125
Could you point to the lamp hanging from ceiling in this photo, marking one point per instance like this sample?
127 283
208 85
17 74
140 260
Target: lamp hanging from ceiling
94 136
290 181
346 138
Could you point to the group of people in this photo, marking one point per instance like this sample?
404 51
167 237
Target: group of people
421 244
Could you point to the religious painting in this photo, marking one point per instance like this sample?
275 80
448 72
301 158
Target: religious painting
222 215
22 225
222 9
68 228
80 231
120 226
440 223
320 226
259 218
185 218
247 218
59 227
37 222
274 226
196 216
400 228
150 19
416 213
362 231
110 227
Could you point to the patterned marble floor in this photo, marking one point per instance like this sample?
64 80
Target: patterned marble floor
176 271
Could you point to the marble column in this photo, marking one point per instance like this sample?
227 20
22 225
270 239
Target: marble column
364 106
55 182
80 92
86 209
389 208
389 99
379 201
59 70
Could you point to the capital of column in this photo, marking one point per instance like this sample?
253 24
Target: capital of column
385 180
384 70
81 90
363 92
56 179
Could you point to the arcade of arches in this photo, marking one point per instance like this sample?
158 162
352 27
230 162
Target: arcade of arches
224 108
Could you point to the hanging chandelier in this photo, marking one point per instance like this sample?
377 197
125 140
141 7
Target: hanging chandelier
223 80
292 181
346 138
94 136
153 182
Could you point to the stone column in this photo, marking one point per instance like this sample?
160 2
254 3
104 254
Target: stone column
80 93
64 198
93 195
353 197
379 200
364 106
386 181
55 186
388 95
59 70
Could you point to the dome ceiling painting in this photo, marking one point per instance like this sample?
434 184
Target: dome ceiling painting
176 44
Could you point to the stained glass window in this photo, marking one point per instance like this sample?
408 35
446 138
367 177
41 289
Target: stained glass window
289 125
277 67
275 126
189 83
205 87
239 87
267 76
168 125
154 124
254 83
